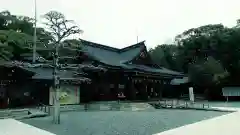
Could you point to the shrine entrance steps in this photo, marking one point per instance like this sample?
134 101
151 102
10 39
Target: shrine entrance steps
21 113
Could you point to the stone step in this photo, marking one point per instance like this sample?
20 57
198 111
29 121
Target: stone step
13 113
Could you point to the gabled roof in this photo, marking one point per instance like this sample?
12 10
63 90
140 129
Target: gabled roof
122 57
110 55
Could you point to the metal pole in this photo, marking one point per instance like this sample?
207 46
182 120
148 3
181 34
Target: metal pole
56 114
137 35
35 33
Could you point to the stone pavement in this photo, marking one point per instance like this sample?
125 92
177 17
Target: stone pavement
121 122
222 125
14 127
145 122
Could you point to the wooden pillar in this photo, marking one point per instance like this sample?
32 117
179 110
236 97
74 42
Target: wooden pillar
97 92
132 89
115 88
151 89
156 90
159 89
143 90
127 88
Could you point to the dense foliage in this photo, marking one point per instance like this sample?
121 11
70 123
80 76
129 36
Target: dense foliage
16 35
209 54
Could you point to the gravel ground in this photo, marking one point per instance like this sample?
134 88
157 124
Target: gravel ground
119 122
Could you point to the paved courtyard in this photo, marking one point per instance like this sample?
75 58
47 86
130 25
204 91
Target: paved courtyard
224 125
120 122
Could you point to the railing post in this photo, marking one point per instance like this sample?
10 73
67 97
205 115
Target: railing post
45 109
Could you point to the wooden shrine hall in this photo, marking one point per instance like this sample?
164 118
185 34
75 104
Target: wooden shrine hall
130 72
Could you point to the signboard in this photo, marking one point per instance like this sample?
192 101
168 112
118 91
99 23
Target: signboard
191 94
68 94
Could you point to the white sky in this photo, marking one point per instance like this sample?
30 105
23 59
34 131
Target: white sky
118 22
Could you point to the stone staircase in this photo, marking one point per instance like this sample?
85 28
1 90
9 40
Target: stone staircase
14 113
121 106
198 97
22 113
103 106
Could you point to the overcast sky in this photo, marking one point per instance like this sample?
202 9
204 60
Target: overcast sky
118 22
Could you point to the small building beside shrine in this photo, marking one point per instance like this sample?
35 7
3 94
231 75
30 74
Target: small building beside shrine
25 84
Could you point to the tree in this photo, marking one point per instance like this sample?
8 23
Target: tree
199 43
44 37
206 72
72 43
5 52
220 42
166 55
21 24
59 26
201 51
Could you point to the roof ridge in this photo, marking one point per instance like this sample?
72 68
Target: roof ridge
93 44
133 46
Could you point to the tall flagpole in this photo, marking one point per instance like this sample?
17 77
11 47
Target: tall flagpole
137 35
35 33
137 38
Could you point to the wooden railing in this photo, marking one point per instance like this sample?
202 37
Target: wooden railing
181 104
43 107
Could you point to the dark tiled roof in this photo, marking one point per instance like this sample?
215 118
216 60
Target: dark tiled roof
65 75
179 81
120 57
71 73
110 55
151 70
29 57
49 65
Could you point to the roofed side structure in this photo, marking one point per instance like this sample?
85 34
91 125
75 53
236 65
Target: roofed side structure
71 73
66 76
